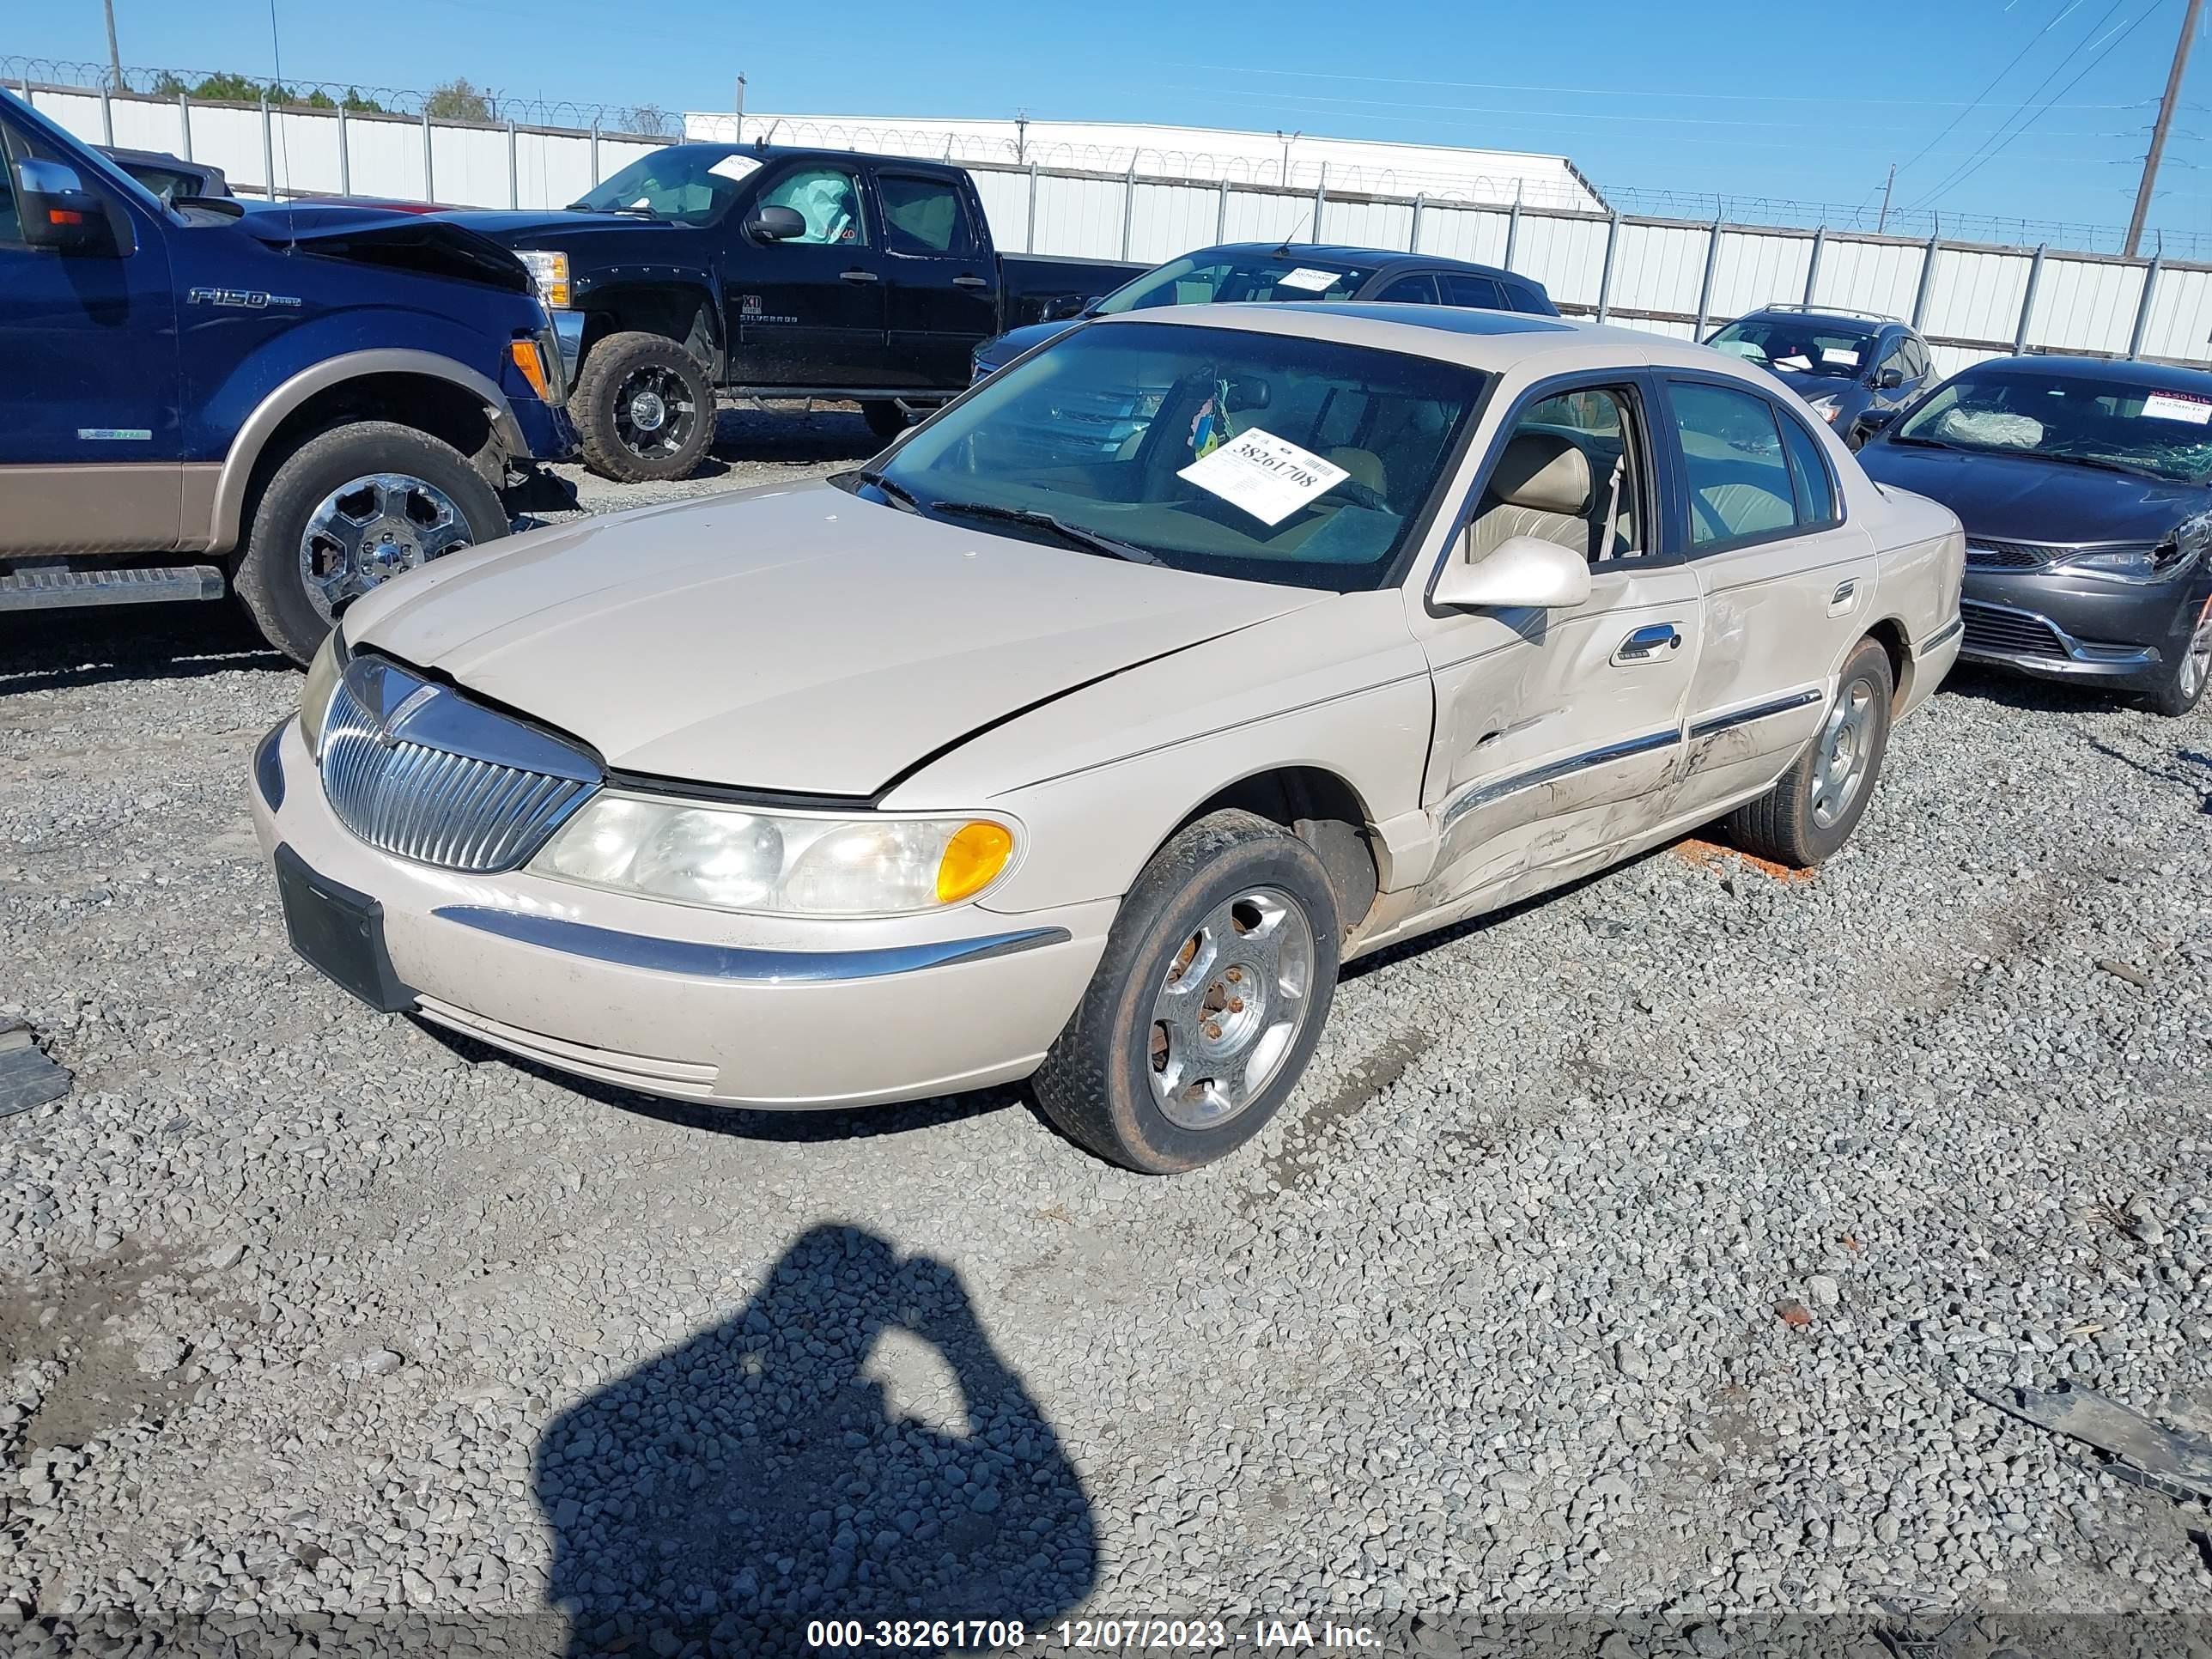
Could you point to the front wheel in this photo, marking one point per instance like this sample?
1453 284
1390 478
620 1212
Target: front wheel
1811 812
1203 1012
350 509
2180 684
644 409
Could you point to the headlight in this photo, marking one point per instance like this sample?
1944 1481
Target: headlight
726 857
1824 407
550 271
2142 563
323 674
977 368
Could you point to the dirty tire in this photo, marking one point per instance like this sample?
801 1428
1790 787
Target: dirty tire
1782 823
597 406
884 418
268 578
1097 1083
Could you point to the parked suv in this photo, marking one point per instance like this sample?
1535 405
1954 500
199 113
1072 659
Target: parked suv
1843 363
1286 270
301 400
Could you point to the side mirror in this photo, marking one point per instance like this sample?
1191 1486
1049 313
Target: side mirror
1869 421
1889 380
1521 572
1065 305
58 212
776 224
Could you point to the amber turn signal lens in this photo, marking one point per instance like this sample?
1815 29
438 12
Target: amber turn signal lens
531 362
972 861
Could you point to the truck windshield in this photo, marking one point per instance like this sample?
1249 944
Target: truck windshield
1213 277
1266 457
2157 431
691 183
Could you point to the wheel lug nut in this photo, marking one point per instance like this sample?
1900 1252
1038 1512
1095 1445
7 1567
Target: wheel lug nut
1236 1005
1234 975
1211 1030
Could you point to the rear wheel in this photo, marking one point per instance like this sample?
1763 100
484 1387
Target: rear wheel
1811 812
2180 685
1217 979
347 510
884 418
644 409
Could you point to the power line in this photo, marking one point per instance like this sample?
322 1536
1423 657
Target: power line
2066 11
1961 177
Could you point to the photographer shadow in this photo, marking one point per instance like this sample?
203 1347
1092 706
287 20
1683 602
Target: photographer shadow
849 1446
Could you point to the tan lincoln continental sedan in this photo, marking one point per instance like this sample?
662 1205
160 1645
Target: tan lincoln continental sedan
1085 732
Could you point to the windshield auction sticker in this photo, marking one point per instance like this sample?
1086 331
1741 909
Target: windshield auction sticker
1264 475
735 167
2169 406
1309 280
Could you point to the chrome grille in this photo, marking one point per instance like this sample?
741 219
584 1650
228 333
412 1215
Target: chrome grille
435 804
2011 556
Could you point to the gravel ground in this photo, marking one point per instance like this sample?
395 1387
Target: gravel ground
1638 1255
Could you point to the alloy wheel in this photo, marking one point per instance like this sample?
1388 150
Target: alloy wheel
1846 746
655 412
1235 995
371 529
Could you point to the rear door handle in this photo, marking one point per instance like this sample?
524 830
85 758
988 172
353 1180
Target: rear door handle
1840 600
857 276
970 282
1648 645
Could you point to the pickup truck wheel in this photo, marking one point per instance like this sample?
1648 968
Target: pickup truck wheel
347 510
644 409
884 418
1810 814
1203 1012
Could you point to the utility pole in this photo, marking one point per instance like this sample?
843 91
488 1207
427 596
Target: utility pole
741 109
2165 119
1887 184
114 57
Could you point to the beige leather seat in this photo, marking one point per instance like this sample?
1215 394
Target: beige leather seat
1543 487
1364 465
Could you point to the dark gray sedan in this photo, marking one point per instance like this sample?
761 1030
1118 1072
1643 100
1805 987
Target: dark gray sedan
2086 489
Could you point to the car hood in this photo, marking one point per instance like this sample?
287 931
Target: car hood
2025 498
1809 386
1015 341
515 229
802 640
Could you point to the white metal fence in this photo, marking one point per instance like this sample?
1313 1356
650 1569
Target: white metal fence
1672 275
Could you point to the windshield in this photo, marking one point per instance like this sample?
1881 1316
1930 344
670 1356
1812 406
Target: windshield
691 183
1798 345
1209 278
1260 456
2136 428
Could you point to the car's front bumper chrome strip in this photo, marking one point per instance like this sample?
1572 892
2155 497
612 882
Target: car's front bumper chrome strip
1942 636
1483 793
733 962
269 765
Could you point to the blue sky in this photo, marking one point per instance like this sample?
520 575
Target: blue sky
1789 101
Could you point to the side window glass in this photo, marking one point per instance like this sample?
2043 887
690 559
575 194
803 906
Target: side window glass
1416 290
827 198
1917 357
921 216
11 228
1477 293
1809 472
1568 472
1732 456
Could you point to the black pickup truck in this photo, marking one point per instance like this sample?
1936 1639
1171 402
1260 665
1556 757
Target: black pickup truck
772 272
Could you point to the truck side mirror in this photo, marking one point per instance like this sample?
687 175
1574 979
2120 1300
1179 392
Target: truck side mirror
776 224
58 212
1889 379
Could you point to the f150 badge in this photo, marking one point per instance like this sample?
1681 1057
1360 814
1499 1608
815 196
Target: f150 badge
239 298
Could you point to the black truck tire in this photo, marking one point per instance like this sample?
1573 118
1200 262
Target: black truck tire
376 498
884 418
644 409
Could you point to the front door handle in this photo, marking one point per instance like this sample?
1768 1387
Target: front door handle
970 282
857 275
1648 645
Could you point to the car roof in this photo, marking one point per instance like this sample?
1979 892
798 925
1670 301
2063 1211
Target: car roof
1489 340
1826 319
2198 382
1382 258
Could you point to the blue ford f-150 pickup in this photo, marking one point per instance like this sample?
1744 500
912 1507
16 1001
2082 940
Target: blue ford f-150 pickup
297 401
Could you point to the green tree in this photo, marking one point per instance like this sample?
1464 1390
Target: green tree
457 100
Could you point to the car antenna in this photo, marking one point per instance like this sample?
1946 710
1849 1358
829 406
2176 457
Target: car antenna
1281 247
276 61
